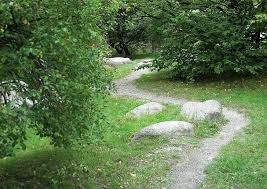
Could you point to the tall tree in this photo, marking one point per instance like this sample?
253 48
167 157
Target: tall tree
51 76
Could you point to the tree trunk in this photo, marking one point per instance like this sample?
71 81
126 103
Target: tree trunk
122 50
125 50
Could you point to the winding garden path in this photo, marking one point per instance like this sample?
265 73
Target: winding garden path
190 172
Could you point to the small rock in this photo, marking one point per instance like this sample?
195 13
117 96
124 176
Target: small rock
210 109
167 128
117 61
146 109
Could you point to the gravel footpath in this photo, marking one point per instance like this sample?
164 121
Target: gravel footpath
190 171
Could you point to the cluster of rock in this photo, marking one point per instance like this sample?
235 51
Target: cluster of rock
116 61
208 110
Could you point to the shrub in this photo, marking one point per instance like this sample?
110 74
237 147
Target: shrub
212 38
50 53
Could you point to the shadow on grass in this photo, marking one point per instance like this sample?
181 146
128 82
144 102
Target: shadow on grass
41 169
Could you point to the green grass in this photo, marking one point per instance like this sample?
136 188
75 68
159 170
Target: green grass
242 163
208 128
122 71
113 163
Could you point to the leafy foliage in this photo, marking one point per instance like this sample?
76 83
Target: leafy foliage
51 74
209 38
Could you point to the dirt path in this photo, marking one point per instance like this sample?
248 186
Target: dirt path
189 173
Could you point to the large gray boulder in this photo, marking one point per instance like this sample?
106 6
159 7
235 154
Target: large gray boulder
146 109
117 61
207 110
167 128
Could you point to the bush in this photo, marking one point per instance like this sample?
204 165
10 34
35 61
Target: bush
212 38
51 54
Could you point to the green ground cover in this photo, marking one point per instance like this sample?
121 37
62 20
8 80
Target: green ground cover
242 163
108 164
115 162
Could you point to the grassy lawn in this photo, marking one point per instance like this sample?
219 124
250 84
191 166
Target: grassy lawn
243 163
117 163
123 70
113 163
109 164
